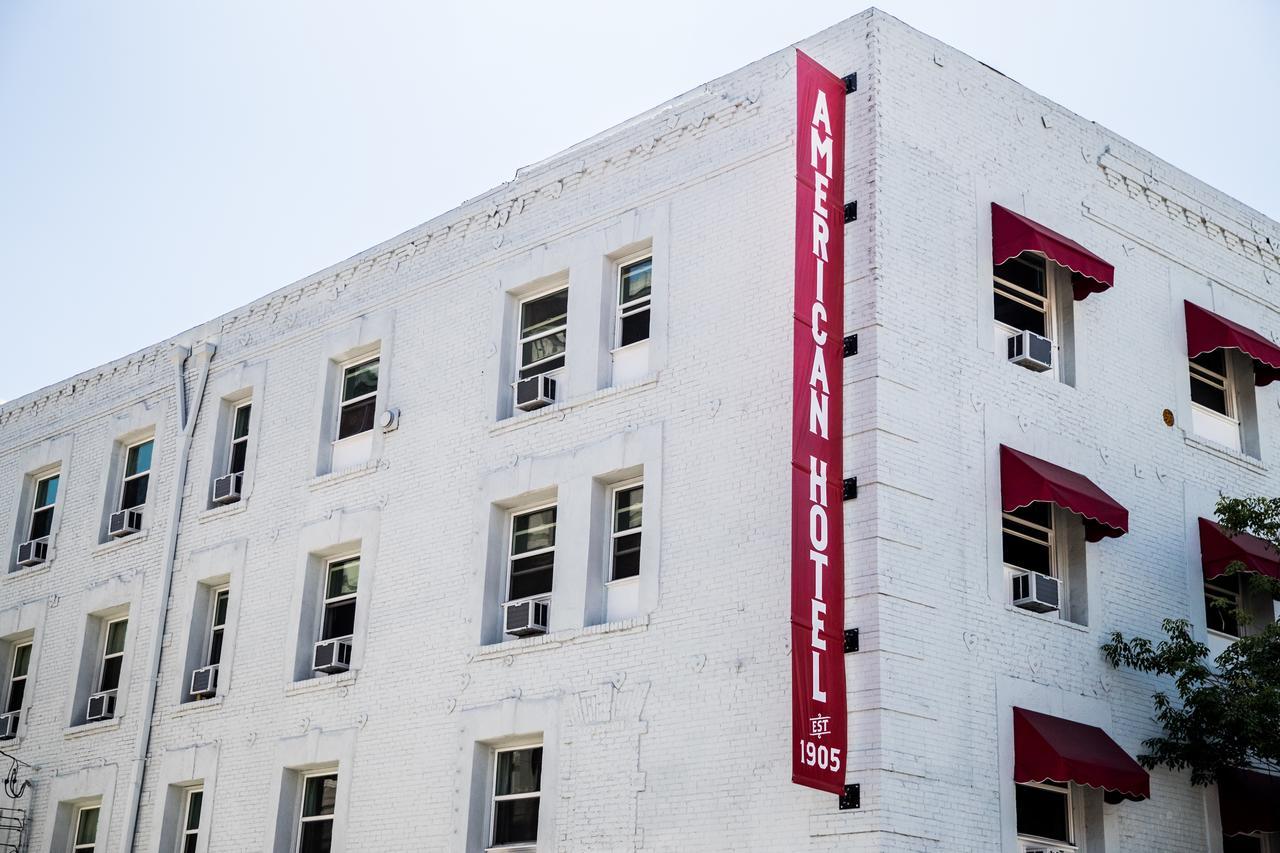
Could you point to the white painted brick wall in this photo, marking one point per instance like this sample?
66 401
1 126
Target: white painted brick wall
672 734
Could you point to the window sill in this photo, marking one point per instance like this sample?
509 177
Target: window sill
113 545
29 571
321 683
558 411
1053 619
216 512
512 848
1213 448
554 640
195 706
86 729
344 474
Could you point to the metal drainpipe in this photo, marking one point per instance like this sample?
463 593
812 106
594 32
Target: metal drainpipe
203 354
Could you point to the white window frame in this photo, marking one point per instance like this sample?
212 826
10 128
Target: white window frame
522 339
1025 297
185 831
494 797
78 846
103 658
214 626
1054 567
1032 841
303 819
244 439
326 602
1230 420
343 369
14 678
126 478
635 306
1223 595
511 558
51 507
615 534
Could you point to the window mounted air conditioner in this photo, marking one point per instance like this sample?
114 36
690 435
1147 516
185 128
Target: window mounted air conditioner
226 489
1031 351
102 706
124 523
535 392
1034 591
9 725
526 617
33 553
332 655
204 681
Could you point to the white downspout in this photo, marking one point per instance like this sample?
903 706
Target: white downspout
204 354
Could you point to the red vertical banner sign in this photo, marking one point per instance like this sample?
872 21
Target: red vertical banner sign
819 736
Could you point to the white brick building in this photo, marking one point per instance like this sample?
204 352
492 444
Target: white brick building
659 699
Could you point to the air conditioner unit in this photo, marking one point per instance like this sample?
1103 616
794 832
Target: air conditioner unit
204 681
102 706
526 617
535 392
124 523
1034 591
9 725
332 655
1031 351
33 553
226 490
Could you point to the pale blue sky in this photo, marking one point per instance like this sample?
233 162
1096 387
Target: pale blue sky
162 162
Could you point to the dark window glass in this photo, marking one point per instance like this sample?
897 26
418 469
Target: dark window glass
515 821
110 674
1241 844
1026 546
359 380
344 578
317 837
194 802
220 607
519 771
135 492
1019 316
17 692
545 313
115 636
239 453
357 417
1208 395
41 522
215 648
87 826
636 281
21 660
189 843
626 556
139 459
532 575
1214 361
339 620
534 531
1042 813
538 354
635 327
1221 604
320 795
1021 293
241 428
42 507
47 492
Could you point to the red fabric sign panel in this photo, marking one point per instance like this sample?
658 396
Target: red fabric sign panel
819 747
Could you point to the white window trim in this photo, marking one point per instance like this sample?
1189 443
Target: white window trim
51 507
626 309
303 819
1025 297
494 797
214 593
510 541
126 478
614 533
343 369
522 339
184 831
1227 382
14 678
1025 841
244 439
1054 559
76 845
326 602
102 658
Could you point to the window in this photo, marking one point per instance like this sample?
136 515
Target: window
1222 602
1027 536
359 405
339 617
628 504
533 552
1242 844
315 826
112 655
1044 812
1213 398
191 821
86 837
239 438
634 285
1023 300
46 496
516 791
18 679
217 626
543 333
137 474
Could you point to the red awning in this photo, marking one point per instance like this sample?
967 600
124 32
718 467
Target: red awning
1206 332
1219 549
1025 479
1051 749
1249 801
1012 234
